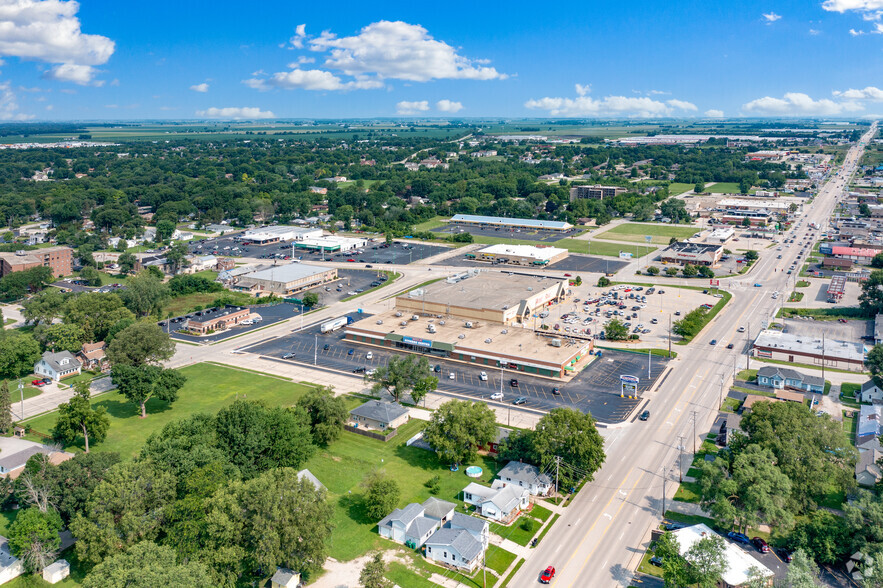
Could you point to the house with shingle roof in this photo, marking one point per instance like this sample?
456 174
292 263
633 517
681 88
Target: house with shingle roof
780 378
454 547
870 391
285 578
57 365
500 502
93 357
527 476
306 474
376 414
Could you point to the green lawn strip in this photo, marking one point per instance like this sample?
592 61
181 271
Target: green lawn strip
515 532
555 517
730 405
645 567
676 188
754 392
823 314
834 498
709 315
802 284
432 223
498 559
689 519
180 305
513 572
850 425
474 580
393 276
260 373
688 492
403 576
602 248
805 365
654 352
723 188
795 297
208 389
538 512
747 375
344 464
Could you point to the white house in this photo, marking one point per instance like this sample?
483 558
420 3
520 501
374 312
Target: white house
454 547
870 392
739 563
498 503
10 566
526 476
415 523
57 365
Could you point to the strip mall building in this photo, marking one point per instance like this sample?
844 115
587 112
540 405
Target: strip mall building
485 319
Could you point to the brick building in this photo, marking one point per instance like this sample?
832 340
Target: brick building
60 259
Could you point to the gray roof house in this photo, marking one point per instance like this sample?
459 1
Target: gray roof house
870 391
867 472
57 365
376 414
500 502
440 510
777 377
285 578
527 476
454 547
412 523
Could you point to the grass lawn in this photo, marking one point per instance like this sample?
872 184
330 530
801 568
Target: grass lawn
849 427
730 405
709 315
538 512
747 375
207 274
825 314
392 277
795 297
802 284
344 465
676 188
513 572
661 234
189 302
723 188
78 574
688 519
602 248
645 567
833 499
208 389
402 575
499 559
475 580
688 492
433 223
515 531
547 527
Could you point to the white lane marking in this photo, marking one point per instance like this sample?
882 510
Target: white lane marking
608 516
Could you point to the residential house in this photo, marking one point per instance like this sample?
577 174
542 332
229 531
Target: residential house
527 476
57 365
867 470
780 378
501 503
454 547
494 446
867 441
376 414
10 566
285 578
870 392
412 525
440 510
739 565
729 428
93 357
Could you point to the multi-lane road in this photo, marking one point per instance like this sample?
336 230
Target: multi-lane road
599 540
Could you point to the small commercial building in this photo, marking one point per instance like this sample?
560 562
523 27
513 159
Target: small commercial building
693 253
740 565
520 254
831 353
780 378
596 192
218 319
277 234
757 205
738 217
858 255
282 280
836 288
331 243
721 235
513 223
59 259
379 415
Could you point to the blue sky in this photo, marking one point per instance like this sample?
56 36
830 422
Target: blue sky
103 59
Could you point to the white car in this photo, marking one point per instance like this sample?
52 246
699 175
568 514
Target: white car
482 376
369 355
452 376
741 329
497 396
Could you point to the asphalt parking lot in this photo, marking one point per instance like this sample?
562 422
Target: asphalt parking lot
542 235
851 330
575 262
270 313
350 282
595 390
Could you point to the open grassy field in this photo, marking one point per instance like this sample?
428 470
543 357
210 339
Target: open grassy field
209 388
602 248
433 223
723 188
661 234
676 188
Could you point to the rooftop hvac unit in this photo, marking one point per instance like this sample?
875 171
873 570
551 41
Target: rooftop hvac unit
504 331
488 340
461 336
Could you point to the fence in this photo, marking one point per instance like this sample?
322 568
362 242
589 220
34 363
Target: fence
373 434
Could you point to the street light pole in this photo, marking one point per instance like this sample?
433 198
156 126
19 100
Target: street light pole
316 351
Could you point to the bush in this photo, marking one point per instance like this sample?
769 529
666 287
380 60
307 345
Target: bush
603 282
184 284
527 524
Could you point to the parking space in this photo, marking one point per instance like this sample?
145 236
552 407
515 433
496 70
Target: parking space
545 236
851 330
595 390
270 314
350 282
575 262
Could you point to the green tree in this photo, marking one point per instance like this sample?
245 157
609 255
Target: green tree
653 270
71 483
164 230
145 294
744 186
578 281
871 298
142 343
91 276
674 567
571 435
707 561
699 188
146 565
822 534
692 322
64 337
19 284
141 383
124 509
603 282
802 571
257 438
381 494
751 255
864 209
310 299
18 354
5 409
746 222
458 428
95 313
327 413
705 271
44 307
404 374
877 261
689 271
176 257
373 574
33 538
77 417
874 361
615 330
671 271
126 262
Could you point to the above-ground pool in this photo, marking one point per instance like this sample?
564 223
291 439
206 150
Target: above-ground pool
473 471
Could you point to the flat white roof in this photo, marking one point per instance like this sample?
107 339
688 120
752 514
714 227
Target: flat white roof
810 345
333 240
753 203
280 231
541 253
739 562
287 273
515 222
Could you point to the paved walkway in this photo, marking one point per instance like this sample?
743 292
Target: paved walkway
50 397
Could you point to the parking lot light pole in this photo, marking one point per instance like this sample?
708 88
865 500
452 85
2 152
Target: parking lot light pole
316 351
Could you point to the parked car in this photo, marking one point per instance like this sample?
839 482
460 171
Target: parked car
369 355
289 355
783 554
452 376
37 383
351 351
556 391
760 544
497 396
519 400
547 575
656 561
513 382
482 376
47 381
738 537
326 347
645 415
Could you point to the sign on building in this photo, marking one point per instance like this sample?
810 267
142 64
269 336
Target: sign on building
629 385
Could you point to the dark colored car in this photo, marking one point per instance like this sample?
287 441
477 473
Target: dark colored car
513 382
674 526
738 537
359 370
350 352
784 554
656 561
729 345
645 415
437 369
47 380
547 575
519 400
714 342
760 544
326 347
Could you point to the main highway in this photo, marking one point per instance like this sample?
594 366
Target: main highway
599 540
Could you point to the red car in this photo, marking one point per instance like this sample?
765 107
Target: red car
760 544
547 575
351 260
566 275
37 383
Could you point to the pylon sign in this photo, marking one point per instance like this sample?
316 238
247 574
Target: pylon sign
629 385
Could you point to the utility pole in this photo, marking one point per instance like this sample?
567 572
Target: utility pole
823 360
649 361
669 335
664 480
748 353
694 432
681 459
21 390
557 468
316 351
722 391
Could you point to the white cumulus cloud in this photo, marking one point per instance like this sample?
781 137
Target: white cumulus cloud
449 106
9 105
869 93
405 107
681 104
203 87
49 31
797 104
714 113
583 105
771 17
300 33
310 79
244 112
852 5
582 90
